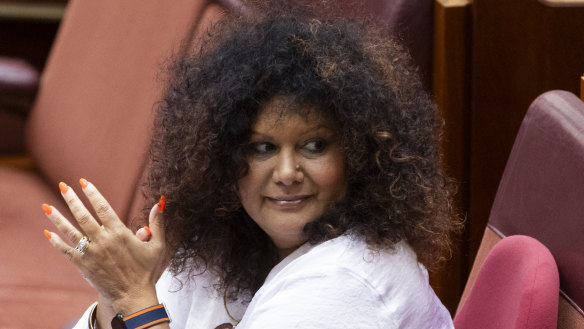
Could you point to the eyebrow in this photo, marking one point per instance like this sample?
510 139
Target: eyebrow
261 135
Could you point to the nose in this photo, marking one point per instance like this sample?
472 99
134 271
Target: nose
287 171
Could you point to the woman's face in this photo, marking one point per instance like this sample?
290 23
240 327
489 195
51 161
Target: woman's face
296 172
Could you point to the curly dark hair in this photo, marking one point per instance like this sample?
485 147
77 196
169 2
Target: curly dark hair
349 72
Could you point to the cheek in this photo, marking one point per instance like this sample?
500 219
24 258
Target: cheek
244 190
249 186
330 176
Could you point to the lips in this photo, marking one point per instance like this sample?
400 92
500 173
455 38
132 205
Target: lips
288 201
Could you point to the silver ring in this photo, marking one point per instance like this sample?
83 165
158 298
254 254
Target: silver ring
82 245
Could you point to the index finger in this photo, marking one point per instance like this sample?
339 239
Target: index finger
87 223
102 208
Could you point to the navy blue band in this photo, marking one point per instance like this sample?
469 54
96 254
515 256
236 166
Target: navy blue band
147 317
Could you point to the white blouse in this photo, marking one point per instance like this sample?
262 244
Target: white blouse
340 283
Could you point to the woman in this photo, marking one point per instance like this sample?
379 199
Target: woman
299 160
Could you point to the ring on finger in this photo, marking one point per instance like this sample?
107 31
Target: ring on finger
82 245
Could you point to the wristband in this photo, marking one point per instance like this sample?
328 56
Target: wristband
145 318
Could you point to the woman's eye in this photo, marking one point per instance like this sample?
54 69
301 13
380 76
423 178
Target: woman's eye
261 148
315 146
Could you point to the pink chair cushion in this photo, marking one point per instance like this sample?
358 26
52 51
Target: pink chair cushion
517 287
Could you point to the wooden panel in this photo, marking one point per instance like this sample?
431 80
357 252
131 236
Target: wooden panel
582 88
521 49
451 67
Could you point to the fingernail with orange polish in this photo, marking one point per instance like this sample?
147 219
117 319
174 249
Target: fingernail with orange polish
147 229
162 204
47 234
47 209
83 182
63 187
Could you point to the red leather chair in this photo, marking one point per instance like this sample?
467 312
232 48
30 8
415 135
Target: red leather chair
540 195
517 287
91 118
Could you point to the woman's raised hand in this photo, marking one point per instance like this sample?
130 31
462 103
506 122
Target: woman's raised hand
122 266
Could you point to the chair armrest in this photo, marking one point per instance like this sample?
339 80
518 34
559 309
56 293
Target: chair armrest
17 77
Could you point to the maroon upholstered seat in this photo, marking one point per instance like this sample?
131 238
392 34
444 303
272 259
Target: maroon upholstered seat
517 287
540 195
91 119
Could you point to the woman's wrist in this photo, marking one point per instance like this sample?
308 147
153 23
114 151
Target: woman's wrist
104 313
132 303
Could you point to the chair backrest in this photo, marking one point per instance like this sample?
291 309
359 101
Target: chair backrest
94 110
541 194
517 287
